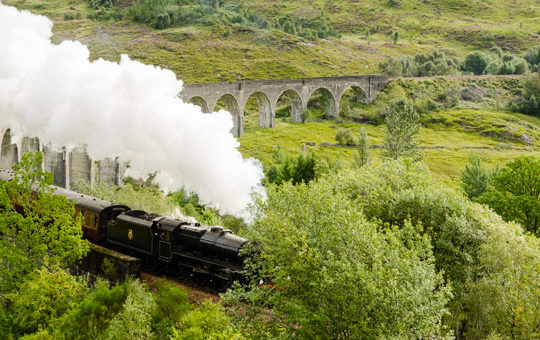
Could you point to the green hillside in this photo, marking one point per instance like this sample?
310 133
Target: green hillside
226 47
228 43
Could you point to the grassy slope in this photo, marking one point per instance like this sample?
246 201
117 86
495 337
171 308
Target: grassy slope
256 54
446 164
456 26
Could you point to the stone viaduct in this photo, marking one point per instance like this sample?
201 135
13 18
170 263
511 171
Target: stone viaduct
71 166
67 166
235 95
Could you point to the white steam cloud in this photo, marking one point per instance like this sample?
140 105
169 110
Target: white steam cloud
124 109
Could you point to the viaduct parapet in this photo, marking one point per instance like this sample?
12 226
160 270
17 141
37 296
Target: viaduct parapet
67 166
267 92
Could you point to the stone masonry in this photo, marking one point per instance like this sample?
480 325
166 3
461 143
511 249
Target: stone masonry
267 92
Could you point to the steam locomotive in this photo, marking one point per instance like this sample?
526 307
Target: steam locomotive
181 245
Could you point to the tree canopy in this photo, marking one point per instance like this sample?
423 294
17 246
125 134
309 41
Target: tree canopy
37 228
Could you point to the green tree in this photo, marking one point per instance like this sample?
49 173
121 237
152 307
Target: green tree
476 62
402 126
134 320
38 228
295 169
44 297
491 266
515 193
339 275
208 322
474 178
361 156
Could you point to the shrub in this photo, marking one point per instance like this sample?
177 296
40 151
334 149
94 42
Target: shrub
43 232
342 275
90 318
476 62
514 193
491 266
297 170
345 137
44 297
134 320
362 156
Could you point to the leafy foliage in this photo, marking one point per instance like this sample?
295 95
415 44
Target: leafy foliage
339 275
402 125
169 13
286 168
345 137
478 253
515 193
421 65
44 297
362 156
38 229
208 322
134 320
475 178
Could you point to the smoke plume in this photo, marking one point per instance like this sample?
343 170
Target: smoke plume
124 109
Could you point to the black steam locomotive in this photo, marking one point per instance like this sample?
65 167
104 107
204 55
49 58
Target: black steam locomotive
180 245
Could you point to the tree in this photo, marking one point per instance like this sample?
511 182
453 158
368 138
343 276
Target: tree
476 62
341 275
474 178
515 193
287 168
402 125
46 296
490 264
362 155
37 229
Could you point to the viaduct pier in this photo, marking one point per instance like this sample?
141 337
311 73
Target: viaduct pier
235 95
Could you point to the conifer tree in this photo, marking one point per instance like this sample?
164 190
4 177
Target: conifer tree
402 126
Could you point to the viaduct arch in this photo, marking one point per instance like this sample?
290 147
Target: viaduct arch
267 92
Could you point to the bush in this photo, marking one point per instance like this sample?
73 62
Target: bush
345 137
90 318
43 232
421 65
490 264
362 156
209 321
171 305
514 193
296 170
134 320
45 297
342 275
476 62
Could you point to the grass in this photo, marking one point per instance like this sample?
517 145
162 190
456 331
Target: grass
445 164
225 54
218 53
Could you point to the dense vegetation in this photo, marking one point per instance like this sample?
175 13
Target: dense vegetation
359 239
236 39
